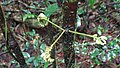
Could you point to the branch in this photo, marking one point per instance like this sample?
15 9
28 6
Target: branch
11 47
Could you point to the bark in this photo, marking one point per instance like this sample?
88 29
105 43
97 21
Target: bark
69 20
11 44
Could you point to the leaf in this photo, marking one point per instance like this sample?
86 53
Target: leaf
91 3
36 63
33 6
94 53
52 0
51 9
112 43
28 16
97 61
46 65
80 11
40 59
26 55
27 44
99 30
42 47
30 59
36 44
78 21
118 40
13 61
26 11
32 33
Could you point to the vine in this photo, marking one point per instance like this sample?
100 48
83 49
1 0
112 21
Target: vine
99 40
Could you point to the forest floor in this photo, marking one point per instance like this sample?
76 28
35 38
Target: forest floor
104 20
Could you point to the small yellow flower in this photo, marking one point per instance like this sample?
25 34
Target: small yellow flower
41 17
101 40
41 20
50 60
46 55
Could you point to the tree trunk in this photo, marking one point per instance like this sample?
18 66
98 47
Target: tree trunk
69 20
11 44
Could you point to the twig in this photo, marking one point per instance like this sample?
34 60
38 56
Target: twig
4 53
9 2
113 3
54 24
12 48
83 34
57 38
117 36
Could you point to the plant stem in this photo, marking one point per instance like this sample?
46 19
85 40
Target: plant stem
81 34
57 39
55 25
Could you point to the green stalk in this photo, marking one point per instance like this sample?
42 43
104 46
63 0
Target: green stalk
57 39
83 34
54 24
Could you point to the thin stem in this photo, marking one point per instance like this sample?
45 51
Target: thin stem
54 24
57 39
81 34
4 53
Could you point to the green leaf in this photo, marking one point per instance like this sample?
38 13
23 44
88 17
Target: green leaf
40 59
32 6
91 3
80 11
32 33
118 65
28 16
27 44
112 43
52 0
36 63
116 5
26 55
97 61
30 59
94 53
13 61
36 44
78 21
118 40
26 11
99 30
51 9
42 47
46 65
84 48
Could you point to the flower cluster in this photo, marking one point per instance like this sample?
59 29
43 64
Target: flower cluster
100 40
41 19
46 55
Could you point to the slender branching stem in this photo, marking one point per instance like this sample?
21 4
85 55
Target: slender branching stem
75 32
57 39
54 24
